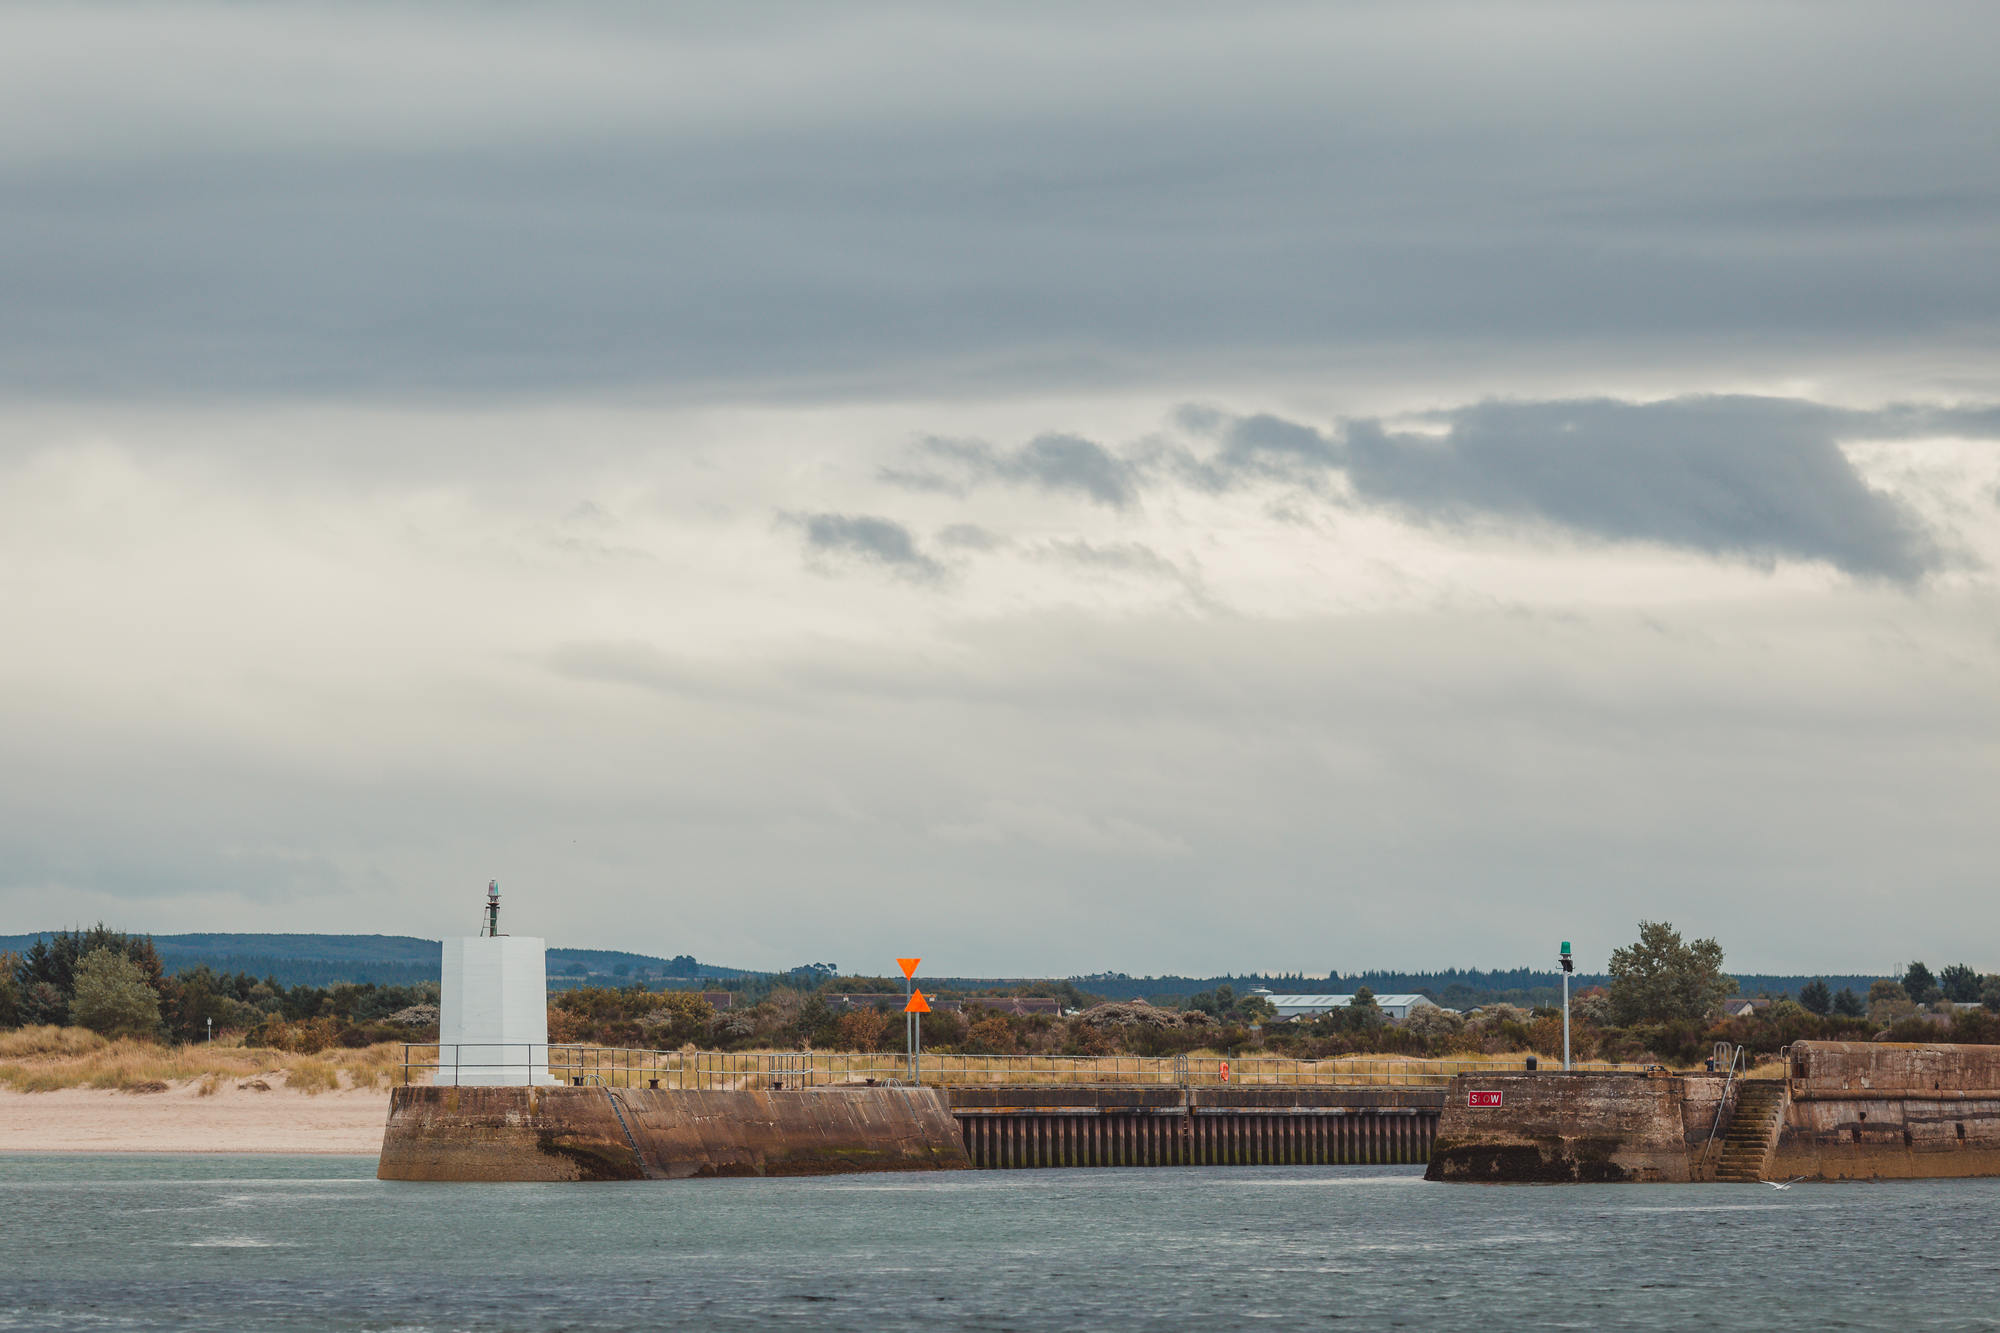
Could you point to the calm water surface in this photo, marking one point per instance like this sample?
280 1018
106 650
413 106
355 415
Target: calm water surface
318 1243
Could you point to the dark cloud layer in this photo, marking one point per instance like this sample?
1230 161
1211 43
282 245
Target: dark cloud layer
914 197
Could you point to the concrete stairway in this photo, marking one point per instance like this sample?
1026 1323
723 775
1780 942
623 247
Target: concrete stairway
1753 1131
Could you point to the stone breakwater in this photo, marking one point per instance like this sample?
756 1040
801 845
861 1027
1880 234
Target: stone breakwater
595 1133
1842 1111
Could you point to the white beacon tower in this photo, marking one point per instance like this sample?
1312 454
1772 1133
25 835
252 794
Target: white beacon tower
493 1016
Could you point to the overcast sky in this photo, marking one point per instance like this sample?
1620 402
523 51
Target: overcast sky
1046 488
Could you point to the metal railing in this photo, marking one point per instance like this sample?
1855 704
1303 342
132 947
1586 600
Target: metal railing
628 1067
1728 1085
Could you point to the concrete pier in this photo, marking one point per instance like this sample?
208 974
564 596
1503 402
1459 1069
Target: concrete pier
599 1133
1841 1111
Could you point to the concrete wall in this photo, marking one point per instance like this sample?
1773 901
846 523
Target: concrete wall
566 1133
1556 1128
1852 1110
1889 1110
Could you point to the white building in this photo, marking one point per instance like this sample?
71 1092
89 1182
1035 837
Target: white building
1397 1007
493 1007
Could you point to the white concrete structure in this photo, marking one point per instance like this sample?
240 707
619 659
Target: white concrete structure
1397 1007
493 1011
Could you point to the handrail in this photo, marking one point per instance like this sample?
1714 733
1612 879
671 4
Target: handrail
1728 1083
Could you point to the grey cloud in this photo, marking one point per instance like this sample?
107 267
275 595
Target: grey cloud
874 540
1260 447
1751 478
1757 479
1057 463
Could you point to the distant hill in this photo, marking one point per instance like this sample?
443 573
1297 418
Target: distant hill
403 960
387 960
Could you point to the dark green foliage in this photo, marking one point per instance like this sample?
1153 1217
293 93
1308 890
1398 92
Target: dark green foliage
45 975
111 997
1215 1002
1816 997
10 992
1660 979
814 1024
1989 993
1960 984
1847 1004
1976 1027
1919 985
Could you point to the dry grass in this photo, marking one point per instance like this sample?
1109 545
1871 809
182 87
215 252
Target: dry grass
312 1075
45 1059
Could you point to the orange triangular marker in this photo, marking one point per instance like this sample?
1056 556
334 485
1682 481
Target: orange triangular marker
909 965
918 1004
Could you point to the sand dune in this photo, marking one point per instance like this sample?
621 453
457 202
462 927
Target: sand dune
237 1117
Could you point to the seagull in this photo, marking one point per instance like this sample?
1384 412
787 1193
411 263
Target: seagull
1786 1184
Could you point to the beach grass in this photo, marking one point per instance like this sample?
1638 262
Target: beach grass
48 1059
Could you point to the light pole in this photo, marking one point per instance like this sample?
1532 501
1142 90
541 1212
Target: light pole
1569 966
211 1030
910 1011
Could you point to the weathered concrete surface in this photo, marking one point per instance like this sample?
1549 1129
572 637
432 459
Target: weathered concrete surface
1890 1110
1553 1127
1852 1110
571 1133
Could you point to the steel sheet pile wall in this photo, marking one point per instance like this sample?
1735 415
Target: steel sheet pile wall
1006 1128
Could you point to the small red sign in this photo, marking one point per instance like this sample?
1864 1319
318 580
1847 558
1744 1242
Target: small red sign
1482 1099
1225 1071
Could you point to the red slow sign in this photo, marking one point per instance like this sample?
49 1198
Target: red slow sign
1482 1099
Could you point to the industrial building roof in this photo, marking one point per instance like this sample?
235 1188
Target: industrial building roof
1341 1001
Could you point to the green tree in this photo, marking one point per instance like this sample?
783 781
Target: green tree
679 1016
10 992
1847 1004
814 1025
111 996
1888 1002
1989 994
1816 997
1919 985
1960 984
1660 979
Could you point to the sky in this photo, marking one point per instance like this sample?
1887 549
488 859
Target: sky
1048 488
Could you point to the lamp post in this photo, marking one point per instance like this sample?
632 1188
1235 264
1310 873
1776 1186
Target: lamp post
211 1030
1569 966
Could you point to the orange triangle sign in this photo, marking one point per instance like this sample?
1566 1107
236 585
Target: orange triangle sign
909 965
918 1004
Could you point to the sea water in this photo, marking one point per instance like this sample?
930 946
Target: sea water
171 1242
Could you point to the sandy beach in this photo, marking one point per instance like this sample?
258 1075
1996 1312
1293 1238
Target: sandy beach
237 1117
